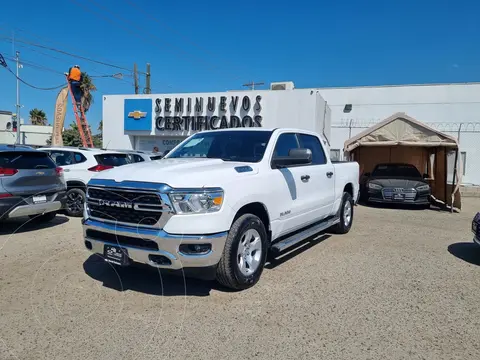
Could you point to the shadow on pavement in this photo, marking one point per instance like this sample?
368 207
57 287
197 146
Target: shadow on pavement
290 253
25 224
469 252
145 279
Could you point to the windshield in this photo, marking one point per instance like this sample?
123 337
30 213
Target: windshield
243 146
396 170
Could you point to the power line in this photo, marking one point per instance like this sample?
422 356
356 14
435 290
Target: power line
48 41
70 54
4 64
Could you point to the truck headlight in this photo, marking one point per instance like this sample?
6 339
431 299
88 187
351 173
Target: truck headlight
423 187
374 186
196 202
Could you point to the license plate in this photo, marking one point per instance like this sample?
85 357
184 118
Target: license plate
398 197
116 255
39 199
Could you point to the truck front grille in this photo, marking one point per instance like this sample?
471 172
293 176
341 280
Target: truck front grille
124 206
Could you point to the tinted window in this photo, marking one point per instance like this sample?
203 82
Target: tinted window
244 146
396 170
79 158
313 143
285 143
62 158
137 158
26 160
112 159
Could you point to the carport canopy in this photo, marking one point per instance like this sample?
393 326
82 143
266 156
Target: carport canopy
400 129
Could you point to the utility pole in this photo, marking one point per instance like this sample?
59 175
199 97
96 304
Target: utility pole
135 77
17 59
252 84
148 90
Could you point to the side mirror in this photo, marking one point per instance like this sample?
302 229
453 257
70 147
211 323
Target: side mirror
425 176
367 174
295 157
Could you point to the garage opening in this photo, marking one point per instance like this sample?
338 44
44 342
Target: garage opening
402 139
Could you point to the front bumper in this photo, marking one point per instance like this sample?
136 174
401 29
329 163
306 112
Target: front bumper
409 198
139 241
16 206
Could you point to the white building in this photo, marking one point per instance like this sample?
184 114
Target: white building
32 135
450 108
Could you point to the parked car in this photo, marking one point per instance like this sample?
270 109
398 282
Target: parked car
79 165
136 156
30 184
215 205
396 183
476 228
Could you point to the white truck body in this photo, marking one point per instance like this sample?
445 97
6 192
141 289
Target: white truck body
290 198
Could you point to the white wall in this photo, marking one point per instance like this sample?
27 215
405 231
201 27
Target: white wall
34 135
297 108
441 106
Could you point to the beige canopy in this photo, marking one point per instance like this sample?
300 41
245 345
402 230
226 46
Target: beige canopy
400 129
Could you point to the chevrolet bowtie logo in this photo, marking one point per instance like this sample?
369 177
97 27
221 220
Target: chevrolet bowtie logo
137 114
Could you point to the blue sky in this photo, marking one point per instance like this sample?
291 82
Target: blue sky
195 46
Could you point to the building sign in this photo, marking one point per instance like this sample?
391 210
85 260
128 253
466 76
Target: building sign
207 113
137 114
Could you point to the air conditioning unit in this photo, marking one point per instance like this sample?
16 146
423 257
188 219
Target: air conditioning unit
284 85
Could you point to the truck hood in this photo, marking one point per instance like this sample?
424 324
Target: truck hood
196 172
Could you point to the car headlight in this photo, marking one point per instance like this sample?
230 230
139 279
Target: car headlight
423 187
196 202
374 186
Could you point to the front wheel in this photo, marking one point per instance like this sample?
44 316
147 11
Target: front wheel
244 254
345 215
75 202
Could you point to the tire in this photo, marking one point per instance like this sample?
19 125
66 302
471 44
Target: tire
44 218
346 207
75 202
233 270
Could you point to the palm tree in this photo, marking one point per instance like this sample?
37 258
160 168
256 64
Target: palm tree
87 87
38 117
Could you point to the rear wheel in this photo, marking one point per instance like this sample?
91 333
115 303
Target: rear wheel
244 254
75 202
44 218
345 215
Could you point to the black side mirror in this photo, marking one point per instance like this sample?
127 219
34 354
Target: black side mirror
425 176
295 157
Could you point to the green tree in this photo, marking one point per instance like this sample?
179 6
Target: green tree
87 87
38 117
71 137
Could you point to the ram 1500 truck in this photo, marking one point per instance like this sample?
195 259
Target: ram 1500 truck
219 202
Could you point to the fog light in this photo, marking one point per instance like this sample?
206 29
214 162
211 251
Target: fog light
195 249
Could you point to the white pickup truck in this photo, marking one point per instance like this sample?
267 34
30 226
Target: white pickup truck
219 202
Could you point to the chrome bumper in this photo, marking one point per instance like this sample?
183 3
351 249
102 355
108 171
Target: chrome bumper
35 209
168 245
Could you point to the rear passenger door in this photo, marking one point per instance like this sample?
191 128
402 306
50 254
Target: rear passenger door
320 186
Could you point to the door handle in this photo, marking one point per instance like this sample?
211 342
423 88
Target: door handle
329 174
305 177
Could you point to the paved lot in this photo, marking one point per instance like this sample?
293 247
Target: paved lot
401 285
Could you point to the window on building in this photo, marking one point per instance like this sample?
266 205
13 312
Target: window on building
335 154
